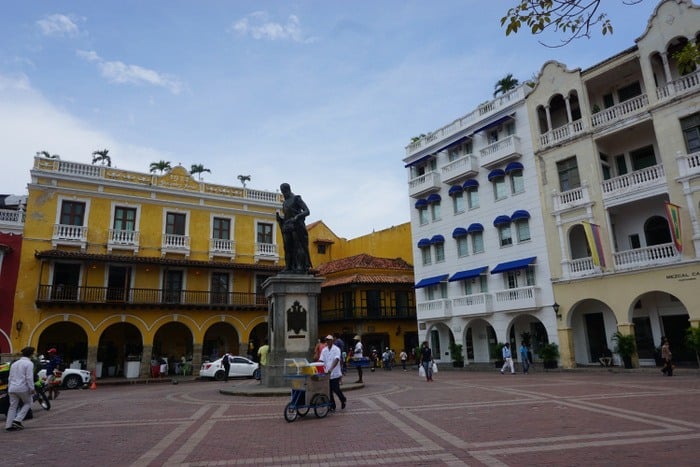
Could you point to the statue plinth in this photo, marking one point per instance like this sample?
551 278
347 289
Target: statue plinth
293 307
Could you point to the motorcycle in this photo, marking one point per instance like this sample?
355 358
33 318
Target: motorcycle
40 394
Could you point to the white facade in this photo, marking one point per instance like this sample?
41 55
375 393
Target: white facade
461 242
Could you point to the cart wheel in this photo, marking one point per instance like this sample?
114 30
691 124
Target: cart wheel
290 412
321 404
303 410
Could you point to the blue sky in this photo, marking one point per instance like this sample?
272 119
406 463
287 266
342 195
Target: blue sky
324 95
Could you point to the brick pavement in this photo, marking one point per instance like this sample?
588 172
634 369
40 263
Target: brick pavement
463 418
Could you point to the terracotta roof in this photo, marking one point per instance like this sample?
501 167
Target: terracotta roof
368 279
363 261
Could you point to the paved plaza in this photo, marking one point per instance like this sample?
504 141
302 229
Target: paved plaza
462 418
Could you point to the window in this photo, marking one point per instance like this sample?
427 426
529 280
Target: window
373 303
424 168
568 174
423 215
499 187
66 281
264 233
175 223
219 288
691 132
472 197
510 128
517 183
462 247
72 213
435 292
172 286
425 252
605 166
439 252
492 136
504 234
125 219
321 248
476 285
520 278
118 283
642 158
435 211
403 303
221 228
522 229
458 202
483 284
477 242
459 150
620 165
347 304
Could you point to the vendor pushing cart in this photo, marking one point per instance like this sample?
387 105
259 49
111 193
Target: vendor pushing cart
310 389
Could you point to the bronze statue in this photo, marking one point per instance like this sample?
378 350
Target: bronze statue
294 234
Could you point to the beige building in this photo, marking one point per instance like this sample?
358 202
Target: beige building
618 153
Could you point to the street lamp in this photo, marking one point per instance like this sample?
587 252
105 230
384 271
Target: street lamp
555 307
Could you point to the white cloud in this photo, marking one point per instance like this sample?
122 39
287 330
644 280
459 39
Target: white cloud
258 26
58 25
122 73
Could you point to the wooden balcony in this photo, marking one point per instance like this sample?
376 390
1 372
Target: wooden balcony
364 313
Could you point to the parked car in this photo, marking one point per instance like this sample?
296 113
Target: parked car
240 367
71 378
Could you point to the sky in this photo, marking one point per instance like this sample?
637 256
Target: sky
322 94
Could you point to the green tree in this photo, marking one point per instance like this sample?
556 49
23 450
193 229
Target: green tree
160 166
505 84
102 157
198 169
574 19
688 58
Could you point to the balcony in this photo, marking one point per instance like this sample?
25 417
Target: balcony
580 267
266 252
620 111
500 151
688 164
424 184
123 240
522 298
641 183
472 305
173 243
561 134
571 199
12 218
364 313
434 309
69 235
62 295
649 256
459 169
679 87
222 248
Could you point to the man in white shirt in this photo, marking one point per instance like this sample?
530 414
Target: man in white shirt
20 387
330 356
357 357
507 359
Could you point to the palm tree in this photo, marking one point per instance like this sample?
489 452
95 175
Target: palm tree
47 155
505 84
162 166
101 156
198 169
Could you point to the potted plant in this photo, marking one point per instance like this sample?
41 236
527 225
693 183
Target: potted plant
496 353
625 347
456 353
549 353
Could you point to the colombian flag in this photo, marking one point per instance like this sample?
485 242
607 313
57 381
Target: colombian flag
673 214
594 243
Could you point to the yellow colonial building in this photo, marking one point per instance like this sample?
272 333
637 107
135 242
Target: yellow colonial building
119 268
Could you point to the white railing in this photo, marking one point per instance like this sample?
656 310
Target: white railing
682 85
472 304
646 257
77 233
562 133
460 167
12 216
266 249
621 110
433 309
571 198
637 180
500 150
123 237
515 299
582 267
468 120
82 170
688 164
424 183
174 242
221 246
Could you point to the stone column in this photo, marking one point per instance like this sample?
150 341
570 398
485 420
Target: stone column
566 347
196 358
549 118
146 356
293 308
92 359
569 117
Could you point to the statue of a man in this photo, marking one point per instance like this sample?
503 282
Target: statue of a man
294 234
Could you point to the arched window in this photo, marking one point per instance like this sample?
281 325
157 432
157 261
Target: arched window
656 231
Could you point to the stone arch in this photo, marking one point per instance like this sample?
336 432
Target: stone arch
120 342
657 231
68 338
593 323
173 340
439 337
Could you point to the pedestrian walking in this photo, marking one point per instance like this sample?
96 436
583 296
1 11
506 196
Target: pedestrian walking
426 359
263 351
666 356
226 363
20 387
403 356
332 365
357 356
524 357
507 359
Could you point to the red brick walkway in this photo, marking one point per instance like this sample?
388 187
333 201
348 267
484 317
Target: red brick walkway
463 418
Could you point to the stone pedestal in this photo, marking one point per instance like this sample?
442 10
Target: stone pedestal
293 308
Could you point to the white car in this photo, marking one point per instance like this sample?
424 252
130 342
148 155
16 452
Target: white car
71 378
240 367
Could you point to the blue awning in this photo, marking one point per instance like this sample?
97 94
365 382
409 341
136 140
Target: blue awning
421 203
455 190
496 173
470 274
434 198
513 166
418 161
520 214
501 220
475 227
459 232
513 265
431 281
423 242
471 183
437 239
495 123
